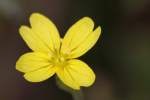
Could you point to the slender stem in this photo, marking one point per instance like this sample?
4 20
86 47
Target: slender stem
77 95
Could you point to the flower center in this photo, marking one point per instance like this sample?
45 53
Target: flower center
59 60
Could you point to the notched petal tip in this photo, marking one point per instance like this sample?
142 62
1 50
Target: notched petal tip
44 28
93 80
22 27
77 74
88 20
97 32
29 80
18 67
98 29
23 30
35 14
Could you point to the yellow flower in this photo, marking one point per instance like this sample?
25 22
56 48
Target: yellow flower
53 55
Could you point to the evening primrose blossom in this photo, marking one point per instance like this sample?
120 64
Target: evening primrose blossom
53 55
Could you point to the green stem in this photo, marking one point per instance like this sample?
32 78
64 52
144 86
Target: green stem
76 94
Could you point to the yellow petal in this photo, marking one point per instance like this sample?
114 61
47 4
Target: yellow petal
77 74
76 34
32 40
67 79
87 44
46 30
32 61
40 74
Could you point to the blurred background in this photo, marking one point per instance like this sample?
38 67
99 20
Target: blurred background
120 59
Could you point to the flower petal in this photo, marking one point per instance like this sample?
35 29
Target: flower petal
76 34
40 74
32 61
67 79
87 44
76 74
32 40
46 30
